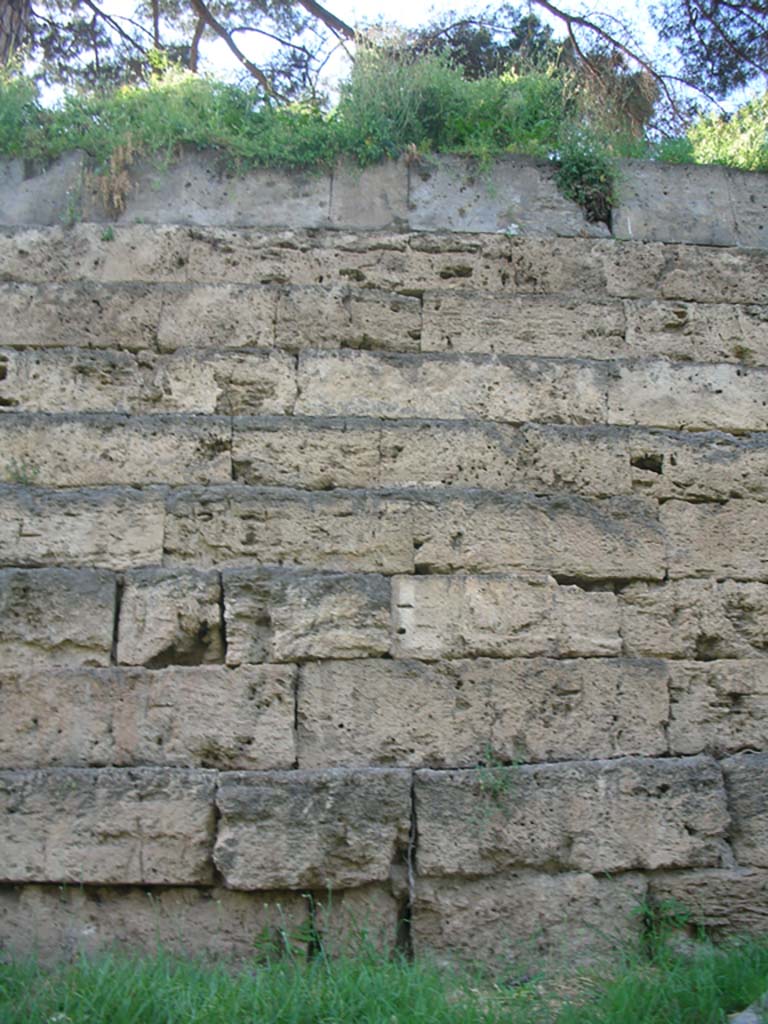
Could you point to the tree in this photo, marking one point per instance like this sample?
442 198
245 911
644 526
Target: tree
14 27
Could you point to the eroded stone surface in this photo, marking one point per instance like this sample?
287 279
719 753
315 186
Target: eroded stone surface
311 830
716 540
720 707
593 816
111 825
745 780
725 902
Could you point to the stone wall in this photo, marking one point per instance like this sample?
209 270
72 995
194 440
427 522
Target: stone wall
424 569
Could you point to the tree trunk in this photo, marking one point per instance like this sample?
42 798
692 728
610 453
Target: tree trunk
14 22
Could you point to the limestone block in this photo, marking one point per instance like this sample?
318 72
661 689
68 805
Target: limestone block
112 825
298 830
447 387
689 397
276 615
82 450
77 380
38 255
189 717
701 333
716 540
650 209
557 266
500 617
746 778
217 316
85 314
170 618
727 902
619 815
748 200
55 617
719 707
522 325
249 256
59 923
343 530
633 270
43 198
523 920
703 619
516 194
700 274
108 528
347 317
350 920
311 453
373 197
453 712
564 535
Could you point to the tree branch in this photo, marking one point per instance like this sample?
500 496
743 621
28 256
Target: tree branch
205 15
336 25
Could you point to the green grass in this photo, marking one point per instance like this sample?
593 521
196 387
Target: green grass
668 988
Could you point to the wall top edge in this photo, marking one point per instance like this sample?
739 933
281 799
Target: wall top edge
514 195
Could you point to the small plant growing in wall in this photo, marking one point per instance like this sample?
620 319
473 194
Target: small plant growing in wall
20 471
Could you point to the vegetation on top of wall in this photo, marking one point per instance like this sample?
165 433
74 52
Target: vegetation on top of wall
389 105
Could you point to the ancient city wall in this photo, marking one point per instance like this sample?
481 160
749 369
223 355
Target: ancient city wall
374 556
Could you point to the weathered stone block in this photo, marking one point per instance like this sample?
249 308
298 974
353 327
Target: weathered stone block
373 197
593 816
746 782
275 615
114 825
703 619
79 380
170 618
524 918
700 274
681 397
350 920
86 314
109 528
56 617
563 535
190 717
522 325
727 902
317 454
454 712
311 830
86 451
716 540
59 923
343 531
345 317
448 387
500 617
217 316
719 707
701 333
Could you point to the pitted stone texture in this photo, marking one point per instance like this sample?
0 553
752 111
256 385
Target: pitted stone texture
697 332
348 318
109 528
683 397
451 713
716 540
632 813
523 917
112 825
350 920
51 617
216 316
45 198
562 535
746 782
188 717
59 923
522 326
170 618
702 619
93 450
444 386
699 274
500 617
298 830
246 526
79 380
281 615
319 455
720 707
371 197
727 902
90 315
